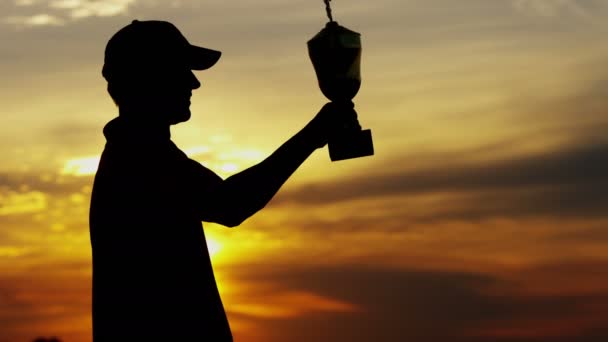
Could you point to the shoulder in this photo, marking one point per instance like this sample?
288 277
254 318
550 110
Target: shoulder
192 169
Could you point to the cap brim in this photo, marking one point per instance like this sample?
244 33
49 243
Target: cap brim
202 58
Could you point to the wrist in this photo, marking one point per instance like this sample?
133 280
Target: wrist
312 136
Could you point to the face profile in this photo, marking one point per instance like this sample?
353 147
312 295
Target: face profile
166 94
148 66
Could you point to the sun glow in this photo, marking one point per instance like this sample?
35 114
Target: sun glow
81 166
213 246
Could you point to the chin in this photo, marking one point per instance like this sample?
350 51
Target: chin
180 117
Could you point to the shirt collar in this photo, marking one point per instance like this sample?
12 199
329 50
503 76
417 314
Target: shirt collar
121 129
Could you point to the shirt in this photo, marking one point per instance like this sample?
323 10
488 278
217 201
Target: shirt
152 275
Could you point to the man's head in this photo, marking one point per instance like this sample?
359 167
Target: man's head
148 66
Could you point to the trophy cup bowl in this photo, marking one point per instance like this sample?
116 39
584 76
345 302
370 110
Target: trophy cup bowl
335 53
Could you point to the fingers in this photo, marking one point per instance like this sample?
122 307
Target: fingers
345 107
333 120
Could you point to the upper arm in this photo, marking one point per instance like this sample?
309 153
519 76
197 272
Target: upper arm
206 194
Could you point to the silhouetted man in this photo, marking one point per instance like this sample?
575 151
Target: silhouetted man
152 276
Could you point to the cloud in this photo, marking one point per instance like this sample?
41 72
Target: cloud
34 20
551 8
571 181
61 12
414 305
85 166
13 251
50 300
50 184
24 2
13 203
78 9
395 305
288 304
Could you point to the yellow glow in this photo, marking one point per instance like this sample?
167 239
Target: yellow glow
243 155
22 203
196 150
58 227
229 167
213 246
12 252
81 166
292 304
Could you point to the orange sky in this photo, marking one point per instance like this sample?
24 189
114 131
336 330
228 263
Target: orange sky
483 215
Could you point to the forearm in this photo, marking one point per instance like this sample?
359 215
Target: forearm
251 189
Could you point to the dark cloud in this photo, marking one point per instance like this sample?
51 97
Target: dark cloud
593 233
410 305
595 97
570 182
45 298
397 305
579 112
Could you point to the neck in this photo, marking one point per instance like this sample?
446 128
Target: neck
145 115
145 120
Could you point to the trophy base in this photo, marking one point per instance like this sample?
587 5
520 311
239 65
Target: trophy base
352 145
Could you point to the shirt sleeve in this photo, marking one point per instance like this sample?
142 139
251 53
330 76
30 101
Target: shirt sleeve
202 188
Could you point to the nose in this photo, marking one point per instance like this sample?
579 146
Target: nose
194 82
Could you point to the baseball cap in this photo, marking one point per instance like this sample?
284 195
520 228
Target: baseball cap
153 44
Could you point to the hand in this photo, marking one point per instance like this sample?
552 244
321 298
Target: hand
334 119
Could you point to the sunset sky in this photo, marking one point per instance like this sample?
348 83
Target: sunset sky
483 216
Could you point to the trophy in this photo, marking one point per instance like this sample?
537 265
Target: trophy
335 53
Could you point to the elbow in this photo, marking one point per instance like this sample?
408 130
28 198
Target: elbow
232 223
226 219
232 213
231 219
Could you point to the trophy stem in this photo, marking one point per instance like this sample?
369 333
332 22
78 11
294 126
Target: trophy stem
351 142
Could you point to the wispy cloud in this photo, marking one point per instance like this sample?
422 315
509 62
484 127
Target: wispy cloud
22 203
289 304
61 12
34 20
81 166
569 182
86 8
551 8
26 2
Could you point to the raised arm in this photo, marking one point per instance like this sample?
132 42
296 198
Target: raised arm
245 193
